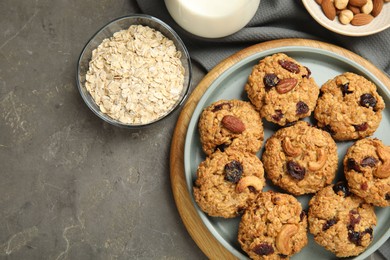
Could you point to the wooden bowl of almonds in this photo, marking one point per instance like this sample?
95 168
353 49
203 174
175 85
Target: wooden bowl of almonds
134 71
351 17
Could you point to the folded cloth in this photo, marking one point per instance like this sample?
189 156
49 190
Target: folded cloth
385 249
274 19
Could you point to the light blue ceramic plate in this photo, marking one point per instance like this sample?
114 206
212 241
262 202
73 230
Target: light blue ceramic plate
230 85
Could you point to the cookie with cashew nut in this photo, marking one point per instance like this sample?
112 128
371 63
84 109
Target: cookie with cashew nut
230 123
301 158
349 107
227 182
282 89
273 227
367 170
340 221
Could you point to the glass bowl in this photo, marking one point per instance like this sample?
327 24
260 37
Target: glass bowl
107 31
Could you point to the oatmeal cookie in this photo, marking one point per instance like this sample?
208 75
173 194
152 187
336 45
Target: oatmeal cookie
349 107
230 123
367 170
273 227
282 89
300 159
340 221
227 182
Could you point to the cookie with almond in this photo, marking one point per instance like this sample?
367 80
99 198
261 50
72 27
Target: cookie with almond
282 89
230 123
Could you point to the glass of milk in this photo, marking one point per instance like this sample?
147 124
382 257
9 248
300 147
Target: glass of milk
212 18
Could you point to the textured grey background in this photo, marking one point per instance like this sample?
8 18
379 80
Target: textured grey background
72 186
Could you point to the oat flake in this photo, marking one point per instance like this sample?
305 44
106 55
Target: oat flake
136 75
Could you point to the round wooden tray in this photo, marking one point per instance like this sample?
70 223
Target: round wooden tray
198 231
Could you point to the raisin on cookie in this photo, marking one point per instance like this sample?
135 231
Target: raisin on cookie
227 182
301 158
273 227
281 89
349 107
367 170
340 221
230 123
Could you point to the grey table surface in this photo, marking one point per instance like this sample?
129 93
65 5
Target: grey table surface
72 186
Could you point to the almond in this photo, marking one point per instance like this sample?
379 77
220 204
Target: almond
358 3
286 85
377 7
233 124
328 9
362 19
354 9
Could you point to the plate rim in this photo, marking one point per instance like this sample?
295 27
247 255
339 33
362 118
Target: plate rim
179 184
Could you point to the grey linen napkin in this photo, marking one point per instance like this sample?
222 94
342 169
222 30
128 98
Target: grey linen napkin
275 19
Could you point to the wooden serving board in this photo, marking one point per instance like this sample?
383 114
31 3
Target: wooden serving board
198 231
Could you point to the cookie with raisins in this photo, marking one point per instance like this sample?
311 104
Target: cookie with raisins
367 170
340 221
300 159
227 182
282 89
349 107
273 227
230 123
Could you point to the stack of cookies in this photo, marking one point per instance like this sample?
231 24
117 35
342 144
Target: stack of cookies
299 158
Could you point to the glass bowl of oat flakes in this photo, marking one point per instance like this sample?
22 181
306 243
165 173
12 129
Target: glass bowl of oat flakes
134 71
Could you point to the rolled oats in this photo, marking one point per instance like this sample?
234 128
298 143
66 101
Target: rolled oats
135 76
